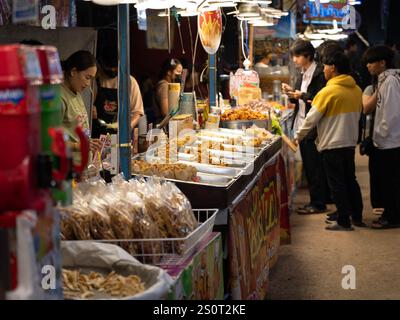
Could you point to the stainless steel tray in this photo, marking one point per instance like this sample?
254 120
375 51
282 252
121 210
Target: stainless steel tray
206 180
243 149
239 156
240 124
208 168
214 179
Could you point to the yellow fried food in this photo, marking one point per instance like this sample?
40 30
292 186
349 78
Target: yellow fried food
242 114
82 286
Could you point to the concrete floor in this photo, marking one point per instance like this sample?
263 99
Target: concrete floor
311 267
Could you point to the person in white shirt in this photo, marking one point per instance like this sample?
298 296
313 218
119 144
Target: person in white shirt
307 86
265 61
385 101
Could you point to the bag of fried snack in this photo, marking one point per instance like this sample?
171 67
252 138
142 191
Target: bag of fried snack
122 220
181 210
143 226
100 220
88 187
121 215
176 211
66 225
154 204
76 221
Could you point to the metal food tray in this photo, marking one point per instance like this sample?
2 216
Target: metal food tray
242 149
240 124
213 196
171 249
233 155
214 179
213 169
223 153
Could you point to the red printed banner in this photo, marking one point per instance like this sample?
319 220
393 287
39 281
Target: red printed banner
254 234
284 203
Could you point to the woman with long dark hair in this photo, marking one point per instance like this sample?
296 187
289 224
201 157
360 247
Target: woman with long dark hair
79 71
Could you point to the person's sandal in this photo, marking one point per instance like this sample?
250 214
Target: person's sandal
384 224
310 210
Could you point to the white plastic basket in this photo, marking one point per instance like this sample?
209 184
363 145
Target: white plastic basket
167 251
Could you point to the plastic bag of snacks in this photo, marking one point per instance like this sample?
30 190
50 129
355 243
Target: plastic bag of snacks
155 206
75 222
121 218
67 230
100 222
130 201
181 210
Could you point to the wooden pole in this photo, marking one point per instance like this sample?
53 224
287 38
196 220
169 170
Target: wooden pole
251 44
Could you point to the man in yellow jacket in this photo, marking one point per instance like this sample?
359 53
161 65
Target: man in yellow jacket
336 112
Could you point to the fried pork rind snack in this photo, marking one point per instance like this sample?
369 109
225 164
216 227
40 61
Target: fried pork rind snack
67 230
100 222
185 221
242 114
155 207
143 226
75 223
121 219
77 285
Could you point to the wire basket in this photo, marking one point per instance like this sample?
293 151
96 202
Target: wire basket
169 251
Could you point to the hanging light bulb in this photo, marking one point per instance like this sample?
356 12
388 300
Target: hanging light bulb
113 2
153 4
167 4
248 11
222 3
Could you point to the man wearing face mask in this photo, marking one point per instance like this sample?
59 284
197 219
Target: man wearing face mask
171 71
106 96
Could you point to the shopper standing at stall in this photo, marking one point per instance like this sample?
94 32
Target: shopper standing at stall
79 71
264 61
312 80
106 96
335 112
171 71
386 135
367 148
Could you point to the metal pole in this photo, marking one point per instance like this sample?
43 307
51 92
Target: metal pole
124 88
212 80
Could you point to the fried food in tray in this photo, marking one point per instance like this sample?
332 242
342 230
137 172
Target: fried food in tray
243 113
264 106
77 285
170 171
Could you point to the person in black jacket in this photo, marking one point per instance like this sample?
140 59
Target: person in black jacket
308 84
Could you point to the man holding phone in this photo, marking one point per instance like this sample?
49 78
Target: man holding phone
307 86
